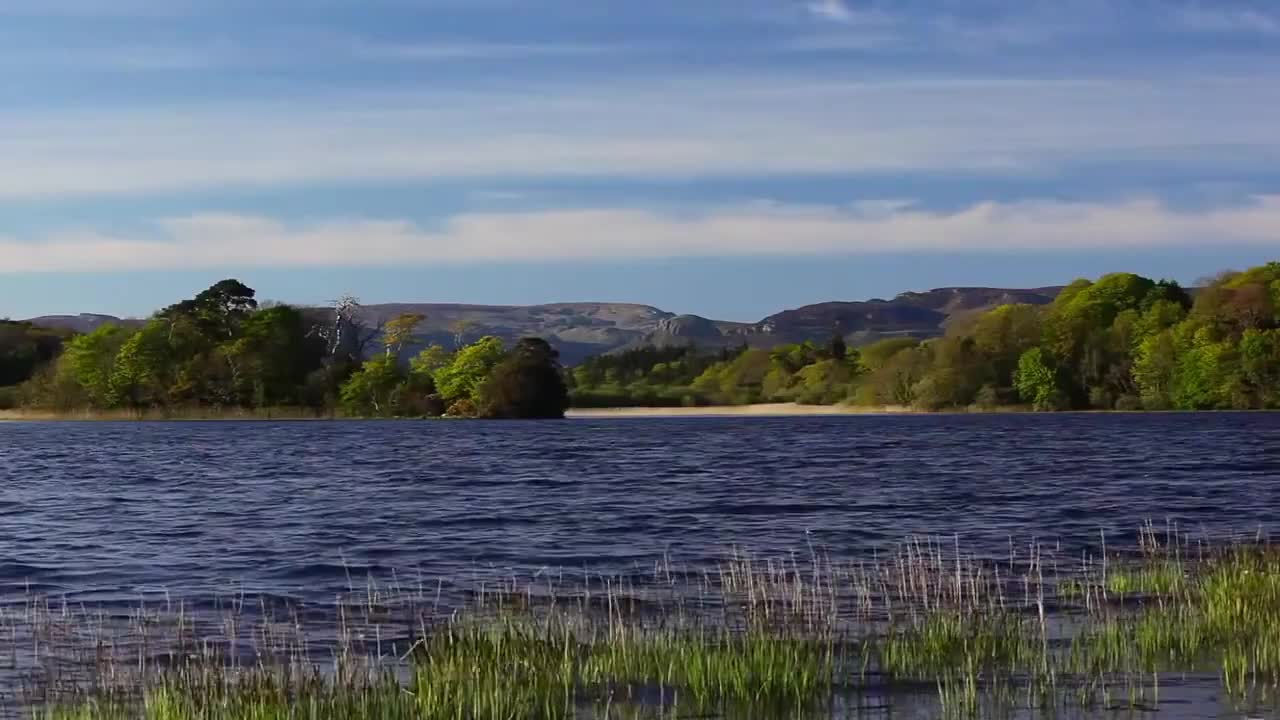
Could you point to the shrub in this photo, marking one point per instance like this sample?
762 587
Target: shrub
462 408
1129 403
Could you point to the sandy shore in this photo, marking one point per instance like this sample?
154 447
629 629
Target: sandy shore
762 410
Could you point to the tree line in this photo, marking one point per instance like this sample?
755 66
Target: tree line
222 349
1123 342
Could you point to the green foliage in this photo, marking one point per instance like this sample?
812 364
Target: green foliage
462 377
528 383
89 364
142 366
895 369
25 349
683 376
879 354
374 389
1122 342
1038 381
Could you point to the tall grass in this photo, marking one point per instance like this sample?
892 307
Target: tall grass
780 638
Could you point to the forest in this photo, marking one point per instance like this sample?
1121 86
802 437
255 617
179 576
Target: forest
1122 342
221 349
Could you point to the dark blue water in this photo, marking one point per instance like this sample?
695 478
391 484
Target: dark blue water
108 511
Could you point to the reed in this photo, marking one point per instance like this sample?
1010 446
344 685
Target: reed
763 638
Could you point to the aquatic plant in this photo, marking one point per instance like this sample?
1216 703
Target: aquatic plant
764 638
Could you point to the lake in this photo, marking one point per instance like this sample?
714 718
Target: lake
106 512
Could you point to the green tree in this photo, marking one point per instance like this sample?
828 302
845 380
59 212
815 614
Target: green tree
1207 373
140 373
825 382
274 355
399 332
1260 363
1002 335
24 349
218 310
957 370
430 361
1155 370
893 369
1037 380
528 383
374 390
89 363
879 354
461 378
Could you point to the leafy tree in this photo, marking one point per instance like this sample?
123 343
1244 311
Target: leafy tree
825 382
528 383
430 361
374 389
957 370
399 332
879 354
89 363
894 369
1003 335
141 372
274 355
1260 366
461 379
1206 373
1156 370
218 310
24 349
1038 381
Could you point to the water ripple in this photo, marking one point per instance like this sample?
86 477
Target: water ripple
108 510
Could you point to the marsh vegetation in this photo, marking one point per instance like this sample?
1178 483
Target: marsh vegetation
926 625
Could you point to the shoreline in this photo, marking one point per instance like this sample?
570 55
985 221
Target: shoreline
759 410
756 410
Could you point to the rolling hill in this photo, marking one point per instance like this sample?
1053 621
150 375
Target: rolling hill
580 330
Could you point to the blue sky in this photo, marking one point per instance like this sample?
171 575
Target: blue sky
724 157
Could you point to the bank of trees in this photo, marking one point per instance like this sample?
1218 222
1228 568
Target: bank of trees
1122 342
24 350
221 349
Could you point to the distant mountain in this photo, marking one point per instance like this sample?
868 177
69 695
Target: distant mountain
580 330
916 314
83 323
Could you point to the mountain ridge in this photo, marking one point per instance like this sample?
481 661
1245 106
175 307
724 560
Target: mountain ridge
582 329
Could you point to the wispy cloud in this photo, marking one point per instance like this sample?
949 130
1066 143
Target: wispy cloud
996 26
831 10
213 240
95 8
442 51
1220 18
709 126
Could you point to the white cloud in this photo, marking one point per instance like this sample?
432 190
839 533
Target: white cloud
1219 18
218 240
831 10
708 126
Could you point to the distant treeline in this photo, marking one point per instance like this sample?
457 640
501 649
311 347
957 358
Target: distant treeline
1123 342
221 349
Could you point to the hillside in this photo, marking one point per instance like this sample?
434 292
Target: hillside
580 330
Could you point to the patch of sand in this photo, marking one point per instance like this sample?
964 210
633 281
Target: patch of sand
761 410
